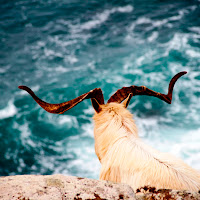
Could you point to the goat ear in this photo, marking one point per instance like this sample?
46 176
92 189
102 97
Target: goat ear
127 100
96 105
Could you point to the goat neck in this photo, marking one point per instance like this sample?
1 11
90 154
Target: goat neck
111 124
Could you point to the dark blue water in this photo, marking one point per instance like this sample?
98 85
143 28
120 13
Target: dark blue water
62 49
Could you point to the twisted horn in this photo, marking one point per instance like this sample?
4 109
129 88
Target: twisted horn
62 107
122 93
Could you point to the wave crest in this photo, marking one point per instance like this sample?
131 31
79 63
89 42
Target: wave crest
9 111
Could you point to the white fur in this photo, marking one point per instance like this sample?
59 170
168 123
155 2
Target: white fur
125 158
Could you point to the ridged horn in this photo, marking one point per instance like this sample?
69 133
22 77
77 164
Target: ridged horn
63 107
122 93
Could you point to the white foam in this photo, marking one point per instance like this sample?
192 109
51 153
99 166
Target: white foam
87 162
85 152
140 60
99 19
146 126
179 16
71 59
140 20
115 79
88 130
153 36
25 136
156 23
148 122
125 9
51 53
180 143
61 69
4 69
159 23
9 111
71 121
143 20
195 29
66 120
193 53
178 42
89 111
188 148
47 162
193 114
174 18
102 17
132 37
79 153
148 105
21 165
145 58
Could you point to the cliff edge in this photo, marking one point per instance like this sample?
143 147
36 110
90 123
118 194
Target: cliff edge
61 187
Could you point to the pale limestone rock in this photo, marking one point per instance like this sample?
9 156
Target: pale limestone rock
60 187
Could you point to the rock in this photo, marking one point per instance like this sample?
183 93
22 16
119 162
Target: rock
150 193
60 187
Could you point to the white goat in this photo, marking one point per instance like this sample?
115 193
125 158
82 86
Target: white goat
124 157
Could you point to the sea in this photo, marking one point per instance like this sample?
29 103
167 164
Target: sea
64 48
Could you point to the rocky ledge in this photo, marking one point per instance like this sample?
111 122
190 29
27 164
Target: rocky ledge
60 187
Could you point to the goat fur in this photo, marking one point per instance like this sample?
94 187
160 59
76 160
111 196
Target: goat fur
125 158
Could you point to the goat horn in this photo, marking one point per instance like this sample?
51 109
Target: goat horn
122 93
62 107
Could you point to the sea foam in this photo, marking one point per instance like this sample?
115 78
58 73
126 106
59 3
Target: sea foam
9 111
102 17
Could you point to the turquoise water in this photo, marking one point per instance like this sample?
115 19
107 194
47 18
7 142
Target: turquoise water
62 49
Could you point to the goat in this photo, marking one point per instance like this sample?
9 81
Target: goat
123 155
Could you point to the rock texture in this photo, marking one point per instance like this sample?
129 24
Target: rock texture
149 193
60 187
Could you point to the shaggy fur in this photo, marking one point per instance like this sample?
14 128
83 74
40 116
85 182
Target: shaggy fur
126 159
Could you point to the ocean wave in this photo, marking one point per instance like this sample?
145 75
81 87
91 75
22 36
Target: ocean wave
85 152
51 53
195 29
151 24
68 121
148 21
25 135
178 42
192 53
147 57
153 36
9 111
189 148
89 111
102 17
88 130
147 127
180 143
56 48
4 69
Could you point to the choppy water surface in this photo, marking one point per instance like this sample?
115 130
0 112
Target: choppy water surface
62 49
